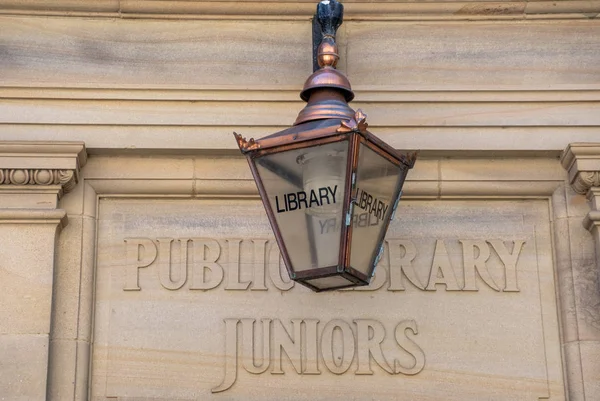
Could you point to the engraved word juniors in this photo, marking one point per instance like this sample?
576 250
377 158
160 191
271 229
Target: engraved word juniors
305 341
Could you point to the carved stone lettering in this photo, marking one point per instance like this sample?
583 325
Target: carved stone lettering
510 262
231 357
249 352
193 301
141 252
275 267
441 270
233 271
258 265
206 272
343 361
410 347
310 361
337 348
402 265
248 263
476 264
167 265
370 333
288 343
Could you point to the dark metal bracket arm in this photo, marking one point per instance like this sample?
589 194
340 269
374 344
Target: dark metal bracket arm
326 21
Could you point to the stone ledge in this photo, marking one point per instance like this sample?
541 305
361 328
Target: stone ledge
592 220
42 155
301 10
28 216
290 93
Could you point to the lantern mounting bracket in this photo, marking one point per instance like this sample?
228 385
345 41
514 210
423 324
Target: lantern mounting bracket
326 21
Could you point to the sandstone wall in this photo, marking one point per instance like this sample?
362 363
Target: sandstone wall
136 261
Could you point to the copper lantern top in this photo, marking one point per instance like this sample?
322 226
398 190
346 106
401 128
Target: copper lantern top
327 76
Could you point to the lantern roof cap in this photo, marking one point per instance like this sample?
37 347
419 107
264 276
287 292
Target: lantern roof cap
327 76
320 129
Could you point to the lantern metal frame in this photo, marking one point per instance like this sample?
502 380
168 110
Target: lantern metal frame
327 119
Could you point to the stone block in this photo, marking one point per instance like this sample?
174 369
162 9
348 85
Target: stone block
586 281
67 276
26 275
23 367
590 354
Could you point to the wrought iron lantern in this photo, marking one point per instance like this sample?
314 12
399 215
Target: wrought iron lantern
330 187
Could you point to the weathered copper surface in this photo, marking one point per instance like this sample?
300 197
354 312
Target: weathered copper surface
325 104
327 76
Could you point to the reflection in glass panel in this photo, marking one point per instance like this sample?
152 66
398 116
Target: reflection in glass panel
330 282
305 188
377 180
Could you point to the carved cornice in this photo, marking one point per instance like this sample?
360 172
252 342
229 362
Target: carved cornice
65 178
582 162
39 165
584 180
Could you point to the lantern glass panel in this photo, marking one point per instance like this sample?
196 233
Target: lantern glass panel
305 190
330 282
377 185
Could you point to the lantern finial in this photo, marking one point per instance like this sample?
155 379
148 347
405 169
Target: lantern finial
327 55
